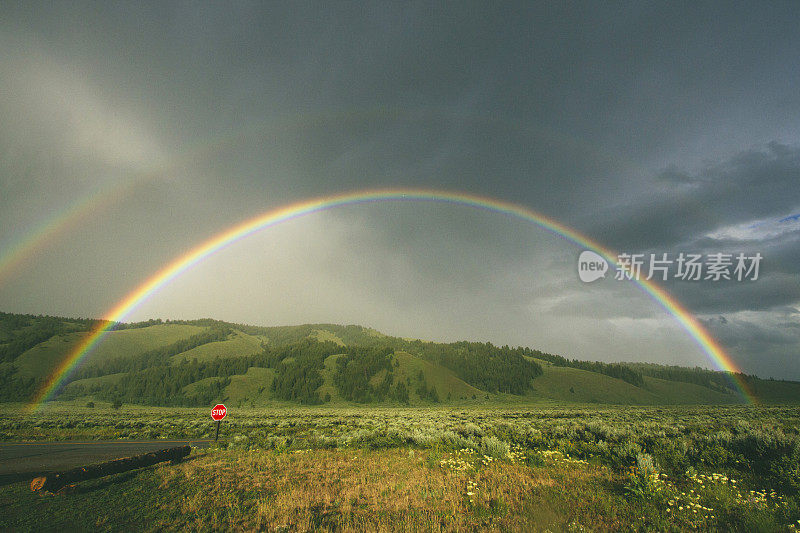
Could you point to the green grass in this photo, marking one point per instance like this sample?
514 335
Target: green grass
99 380
239 344
328 387
42 358
192 388
252 387
323 335
245 390
573 385
675 392
776 392
445 381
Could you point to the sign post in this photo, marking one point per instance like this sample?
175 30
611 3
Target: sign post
218 412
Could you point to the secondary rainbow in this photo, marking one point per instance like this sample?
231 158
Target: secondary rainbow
716 354
12 257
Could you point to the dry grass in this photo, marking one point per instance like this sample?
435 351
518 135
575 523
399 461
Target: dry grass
358 490
398 470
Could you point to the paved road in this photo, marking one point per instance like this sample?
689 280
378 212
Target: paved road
25 460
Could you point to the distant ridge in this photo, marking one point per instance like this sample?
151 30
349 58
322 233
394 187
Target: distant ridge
194 362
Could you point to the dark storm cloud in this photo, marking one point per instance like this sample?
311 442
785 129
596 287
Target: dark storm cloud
753 185
769 292
730 207
742 331
561 78
648 126
767 345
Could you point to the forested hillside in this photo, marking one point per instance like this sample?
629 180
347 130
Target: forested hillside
197 362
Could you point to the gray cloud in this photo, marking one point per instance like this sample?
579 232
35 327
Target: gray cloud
649 127
766 341
751 185
749 192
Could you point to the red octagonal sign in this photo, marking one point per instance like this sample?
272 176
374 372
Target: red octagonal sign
218 412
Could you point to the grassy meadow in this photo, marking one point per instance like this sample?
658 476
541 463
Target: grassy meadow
492 467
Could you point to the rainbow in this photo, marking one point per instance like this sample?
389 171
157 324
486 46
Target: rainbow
30 244
717 355
12 257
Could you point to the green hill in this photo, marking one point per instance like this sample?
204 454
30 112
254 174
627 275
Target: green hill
446 383
328 388
195 362
249 388
43 357
91 383
580 386
236 345
346 335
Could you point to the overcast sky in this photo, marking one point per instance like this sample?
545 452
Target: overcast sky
650 127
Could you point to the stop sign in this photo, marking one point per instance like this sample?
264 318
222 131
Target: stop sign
218 412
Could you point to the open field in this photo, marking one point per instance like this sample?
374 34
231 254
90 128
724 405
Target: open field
569 468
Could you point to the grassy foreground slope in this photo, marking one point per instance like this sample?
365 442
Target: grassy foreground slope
327 490
682 468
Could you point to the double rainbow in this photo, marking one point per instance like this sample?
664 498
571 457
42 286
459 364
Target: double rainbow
716 354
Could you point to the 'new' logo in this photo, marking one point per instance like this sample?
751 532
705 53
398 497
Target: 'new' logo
591 266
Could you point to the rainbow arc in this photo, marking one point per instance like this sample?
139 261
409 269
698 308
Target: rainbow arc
716 354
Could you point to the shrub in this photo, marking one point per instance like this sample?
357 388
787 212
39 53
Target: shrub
645 465
471 430
643 479
494 447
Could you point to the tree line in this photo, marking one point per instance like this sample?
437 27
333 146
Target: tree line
718 381
356 368
20 333
297 369
614 370
483 365
154 357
